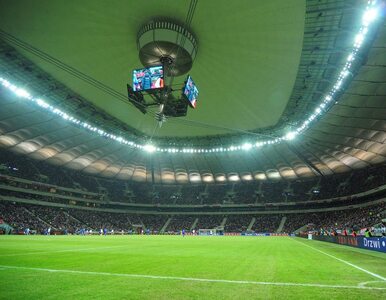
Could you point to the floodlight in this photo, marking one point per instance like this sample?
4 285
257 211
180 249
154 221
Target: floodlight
22 93
359 38
149 148
246 146
369 16
290 135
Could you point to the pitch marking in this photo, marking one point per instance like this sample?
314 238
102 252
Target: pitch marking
59 251
194 279
363 284
343 261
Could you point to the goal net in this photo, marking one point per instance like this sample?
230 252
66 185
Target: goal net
207 231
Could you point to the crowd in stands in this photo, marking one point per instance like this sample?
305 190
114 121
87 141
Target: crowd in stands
19 218
57 218
153 222
237 223
337 221
209 221
98 219
266 223
23 178
180 222
38 218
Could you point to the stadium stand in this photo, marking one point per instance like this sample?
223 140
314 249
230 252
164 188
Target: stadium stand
181 222
333 221
266 223
21 216
23 180
237 223
245 193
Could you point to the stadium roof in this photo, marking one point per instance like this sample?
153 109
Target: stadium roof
246 64
262 69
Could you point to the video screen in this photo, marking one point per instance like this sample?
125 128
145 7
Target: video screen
149 78
190 91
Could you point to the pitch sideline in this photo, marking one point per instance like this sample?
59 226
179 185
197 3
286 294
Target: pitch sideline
343 261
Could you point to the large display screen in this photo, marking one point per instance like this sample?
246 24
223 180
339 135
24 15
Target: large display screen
149 78
190 91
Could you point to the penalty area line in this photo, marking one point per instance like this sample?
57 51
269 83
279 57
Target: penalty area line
193 279
343 261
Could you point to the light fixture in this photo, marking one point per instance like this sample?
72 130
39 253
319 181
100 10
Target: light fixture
149 148
290 135
369 16
246 146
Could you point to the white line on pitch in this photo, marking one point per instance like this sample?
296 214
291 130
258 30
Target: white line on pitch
362 284
59 251
343 261
194 279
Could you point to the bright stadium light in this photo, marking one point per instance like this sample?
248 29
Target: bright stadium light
149 148
359 39
328 98
42 103
22 93
290 135
369 16
344 73
246 146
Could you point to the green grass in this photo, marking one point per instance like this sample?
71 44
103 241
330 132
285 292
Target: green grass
259 259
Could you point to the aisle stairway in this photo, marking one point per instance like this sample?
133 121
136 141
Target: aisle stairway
194 224
251 224
163 229
281 225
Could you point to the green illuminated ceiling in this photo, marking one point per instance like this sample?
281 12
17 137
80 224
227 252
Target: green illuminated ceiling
246 65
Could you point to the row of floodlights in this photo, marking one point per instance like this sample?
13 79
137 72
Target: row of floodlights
370 14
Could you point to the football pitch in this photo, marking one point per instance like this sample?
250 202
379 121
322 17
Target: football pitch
191 267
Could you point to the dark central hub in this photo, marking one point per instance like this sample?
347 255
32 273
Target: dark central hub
166 60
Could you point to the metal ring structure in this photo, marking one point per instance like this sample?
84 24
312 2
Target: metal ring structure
165 40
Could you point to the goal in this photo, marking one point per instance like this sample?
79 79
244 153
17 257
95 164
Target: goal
207 231
219 230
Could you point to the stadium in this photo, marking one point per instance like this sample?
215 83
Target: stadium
193 149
